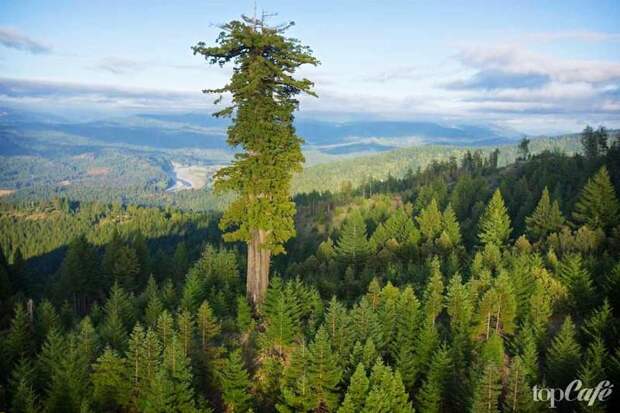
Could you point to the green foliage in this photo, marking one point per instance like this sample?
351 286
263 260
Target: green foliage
265 62
495 222
564 355
235 384
387 392
110 386
432 392
356 392
353 246
545 219
598 205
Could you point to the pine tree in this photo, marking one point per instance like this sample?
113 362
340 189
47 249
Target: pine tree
564 356
487 391
165 328
406 335
425 345
282 324
186 325
180 377
21 384
324 374
235 383
598 205
244 315
545 219
126 268
433 294
430 221
356 392
518 396
337 325
296 390
387 393
20 338
208 326
497 309
154 308
180 260
118 316
365 323
353 247
110 386
592 371
494 226
589 142
577 281
68 387
432 395
451 230
46 319
264 99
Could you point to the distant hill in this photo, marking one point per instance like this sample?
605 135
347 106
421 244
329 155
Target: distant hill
129 159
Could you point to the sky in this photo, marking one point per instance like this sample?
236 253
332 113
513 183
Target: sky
537 67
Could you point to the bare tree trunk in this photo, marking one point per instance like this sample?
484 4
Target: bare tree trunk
259 260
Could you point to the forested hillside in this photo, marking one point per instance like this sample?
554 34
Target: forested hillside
457 287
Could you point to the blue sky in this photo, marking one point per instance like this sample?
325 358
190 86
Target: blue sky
534 66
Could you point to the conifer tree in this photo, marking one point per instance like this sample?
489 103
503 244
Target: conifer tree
425 345
589 142
433 295
21 384
154 308
451 230
180 260
494 226
109 377
46 319
430 221
432 394
337 325
118 316
577 281
324 374
356 392
186 325
518 396
365 323
296 390
235 384
20 338
545 219
353 247
592 371
165 328
387 392
598 205
179 373
282 324
263 101
564 355
208 326
405 335
497 309
487 391
244 315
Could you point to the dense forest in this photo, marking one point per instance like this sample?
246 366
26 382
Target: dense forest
457 287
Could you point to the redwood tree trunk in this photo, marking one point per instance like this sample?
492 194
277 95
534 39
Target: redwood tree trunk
258 268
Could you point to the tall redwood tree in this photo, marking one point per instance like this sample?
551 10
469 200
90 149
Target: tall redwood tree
264 97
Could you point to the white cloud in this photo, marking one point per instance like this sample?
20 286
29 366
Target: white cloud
13 39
